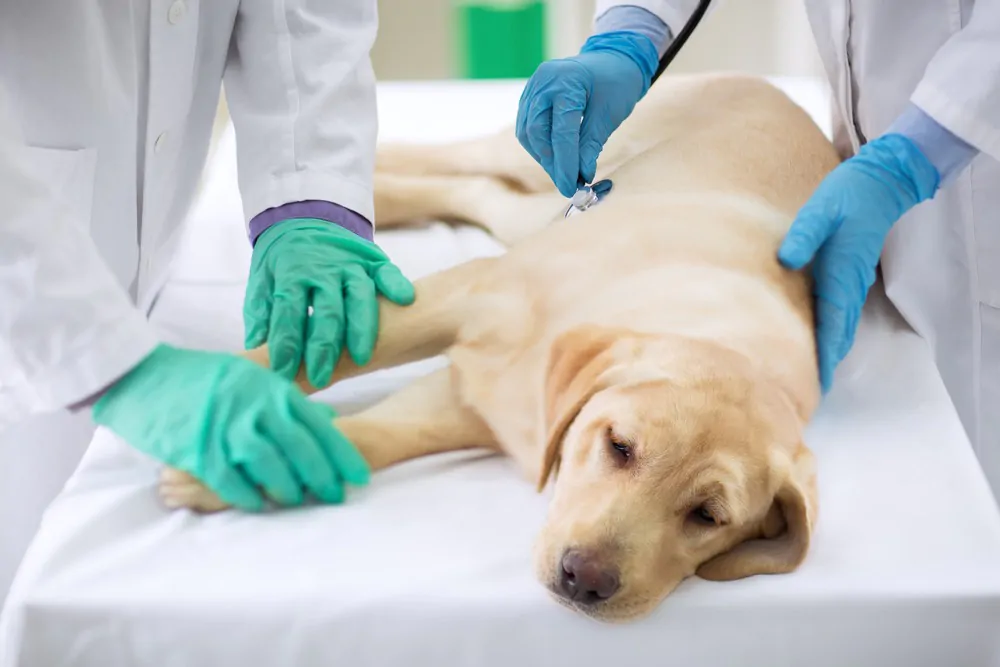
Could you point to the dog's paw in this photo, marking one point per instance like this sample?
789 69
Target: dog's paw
179 490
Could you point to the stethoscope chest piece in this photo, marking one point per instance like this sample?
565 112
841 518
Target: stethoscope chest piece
587 196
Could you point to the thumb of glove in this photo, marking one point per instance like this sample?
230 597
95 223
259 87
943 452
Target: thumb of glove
391 282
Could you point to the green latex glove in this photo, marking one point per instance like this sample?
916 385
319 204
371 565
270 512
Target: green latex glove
234 425
304 262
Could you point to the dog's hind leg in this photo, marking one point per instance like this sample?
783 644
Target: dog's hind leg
497 155
427 417
508 214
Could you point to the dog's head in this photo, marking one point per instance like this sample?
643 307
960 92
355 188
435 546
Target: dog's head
670 458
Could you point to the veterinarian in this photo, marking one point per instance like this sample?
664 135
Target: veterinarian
106 115
917 113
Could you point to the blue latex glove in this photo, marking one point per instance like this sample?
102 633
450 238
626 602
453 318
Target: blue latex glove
842 229
243 431
599 87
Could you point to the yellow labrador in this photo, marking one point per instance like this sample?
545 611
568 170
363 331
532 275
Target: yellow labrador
650 355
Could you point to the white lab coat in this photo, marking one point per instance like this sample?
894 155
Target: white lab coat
106 112
941 264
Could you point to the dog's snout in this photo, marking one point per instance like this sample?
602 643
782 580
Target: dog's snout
585 578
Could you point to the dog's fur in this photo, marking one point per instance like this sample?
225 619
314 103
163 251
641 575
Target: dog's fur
650 355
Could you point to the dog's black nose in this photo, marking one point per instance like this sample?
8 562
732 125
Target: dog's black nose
586 579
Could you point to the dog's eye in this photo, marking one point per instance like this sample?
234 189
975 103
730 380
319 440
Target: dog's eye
703 516
621 450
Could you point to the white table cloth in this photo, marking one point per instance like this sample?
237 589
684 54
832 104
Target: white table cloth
430 564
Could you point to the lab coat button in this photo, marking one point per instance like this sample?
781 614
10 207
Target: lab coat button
160 140
176 12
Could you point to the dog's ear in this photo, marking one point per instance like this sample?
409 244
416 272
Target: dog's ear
577 360
783 540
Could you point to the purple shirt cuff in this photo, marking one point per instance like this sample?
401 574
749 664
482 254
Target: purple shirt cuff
312 208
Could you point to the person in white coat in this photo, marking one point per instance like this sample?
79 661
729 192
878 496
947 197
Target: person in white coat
106 112
916 89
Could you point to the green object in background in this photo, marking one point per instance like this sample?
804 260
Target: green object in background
500 39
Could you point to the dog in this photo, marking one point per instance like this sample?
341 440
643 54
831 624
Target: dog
650 356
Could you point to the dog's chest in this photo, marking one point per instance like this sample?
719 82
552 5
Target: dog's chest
505 391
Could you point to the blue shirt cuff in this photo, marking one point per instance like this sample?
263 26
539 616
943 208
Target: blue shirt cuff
949 154
636 19
312 208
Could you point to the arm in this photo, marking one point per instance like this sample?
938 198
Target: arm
635 19
842 228
659 20
960 88
67 328
949 154
301 91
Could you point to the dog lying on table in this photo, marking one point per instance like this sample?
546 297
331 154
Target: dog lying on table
651 355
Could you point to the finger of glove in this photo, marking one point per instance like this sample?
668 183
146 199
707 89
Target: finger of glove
325 332
567 113
257 308
831 335
524 105
396 287
286 338
843 276
594 134
211 460
217 471
330 412
361 307
235 490
810 230
306 455
350 465
540 136
261 461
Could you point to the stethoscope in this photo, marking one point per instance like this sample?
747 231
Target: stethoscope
588 195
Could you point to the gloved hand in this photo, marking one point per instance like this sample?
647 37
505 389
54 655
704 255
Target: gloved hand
601 86
233 425
305 262
842 229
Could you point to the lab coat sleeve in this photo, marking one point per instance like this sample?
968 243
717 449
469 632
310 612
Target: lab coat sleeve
67 328
301 92
674 13
960 88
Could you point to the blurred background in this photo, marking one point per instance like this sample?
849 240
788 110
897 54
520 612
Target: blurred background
445 39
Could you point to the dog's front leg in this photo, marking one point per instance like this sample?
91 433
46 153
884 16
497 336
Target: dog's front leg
427 417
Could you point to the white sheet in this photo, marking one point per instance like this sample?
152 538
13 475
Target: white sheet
430 565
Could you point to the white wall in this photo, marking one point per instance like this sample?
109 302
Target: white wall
768 37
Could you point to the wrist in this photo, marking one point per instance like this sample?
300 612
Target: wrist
636 47
92 400
902 162
324 211
639 20
949 154
312 229
100 400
